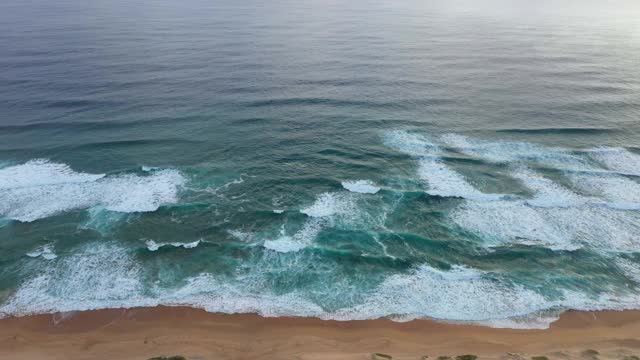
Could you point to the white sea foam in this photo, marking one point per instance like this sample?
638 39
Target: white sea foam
338 210
154 246
601 228
410 143
461 294
278 211
220 189
106 276
556 216
103 275
215 295
506 222
613 300
440 179
243 236
41 172
96 276
45 251
494 151
361 186
285 244
547 192
443 181
618 159
101 219
468 295
617 191
328 204
39 189
629 268
322 213
540 320
511 151
568 228
299 240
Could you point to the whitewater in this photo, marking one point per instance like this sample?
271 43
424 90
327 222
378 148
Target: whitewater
362 249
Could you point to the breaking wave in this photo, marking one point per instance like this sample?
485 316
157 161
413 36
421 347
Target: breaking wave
40 188
361 186
441 180
107 276
154 246
560 199
596 208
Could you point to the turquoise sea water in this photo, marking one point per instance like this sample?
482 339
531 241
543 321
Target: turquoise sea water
458 160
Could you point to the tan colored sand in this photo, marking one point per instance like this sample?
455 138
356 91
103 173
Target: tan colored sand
146 332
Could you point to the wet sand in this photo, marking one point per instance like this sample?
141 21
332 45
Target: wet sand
142 333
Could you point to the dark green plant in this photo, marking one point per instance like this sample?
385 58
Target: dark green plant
377 356
466 357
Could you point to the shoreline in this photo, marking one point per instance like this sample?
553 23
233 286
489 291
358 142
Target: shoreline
142 333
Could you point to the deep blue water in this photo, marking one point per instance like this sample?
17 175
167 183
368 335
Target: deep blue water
459 160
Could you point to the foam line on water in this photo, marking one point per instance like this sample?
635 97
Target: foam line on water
361 186
440 179
329 209
617 159
39 189
601 228
547 193
353 210
615 190
320 214
154 246
46 252
410 143
561 228
345 210
101 219
511 151
630 269
511 222
461 294
555 217
243 236
445 182
329 204
600 189
40 172
96 276
299 240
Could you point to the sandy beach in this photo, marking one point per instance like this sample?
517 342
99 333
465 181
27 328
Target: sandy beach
195 334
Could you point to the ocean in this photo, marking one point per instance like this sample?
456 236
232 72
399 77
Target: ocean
466 161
